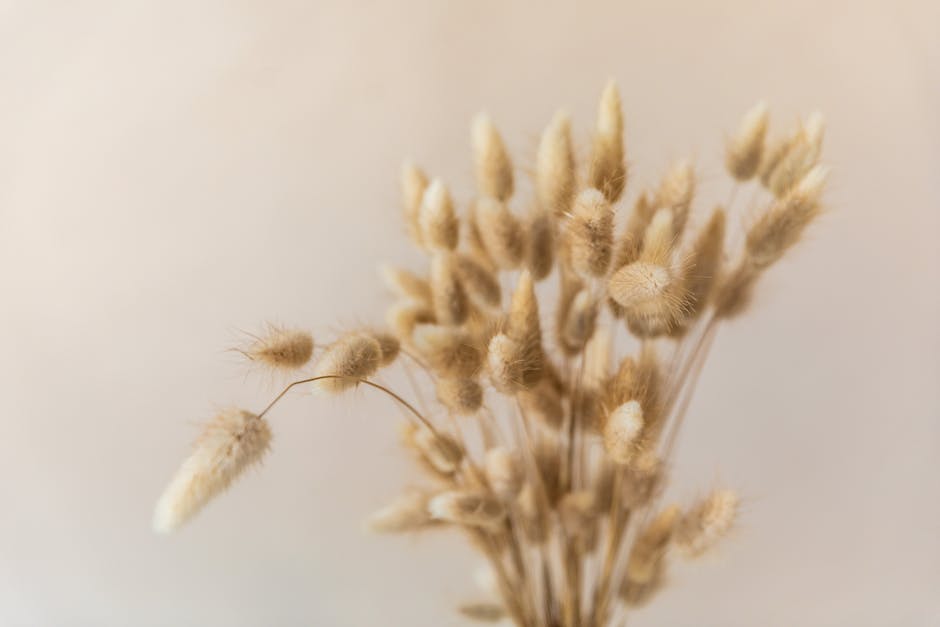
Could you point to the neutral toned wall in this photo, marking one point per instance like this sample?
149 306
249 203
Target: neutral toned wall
172 172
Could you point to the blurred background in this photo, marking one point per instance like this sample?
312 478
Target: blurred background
172 173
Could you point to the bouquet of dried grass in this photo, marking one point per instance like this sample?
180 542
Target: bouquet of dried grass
547 453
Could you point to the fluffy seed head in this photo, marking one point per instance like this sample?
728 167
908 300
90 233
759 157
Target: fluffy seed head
746 147
408 513
406 284
440 450
708 522
439 227
481 284
580 323
413 184
448 297
402 318
554 166
650 546
504 363
501 233
622 430
540 252
646 290
503 473
676 191
659 238
493 166
461 396
389 346
590 233
608 171
704 263
802 153
473 509
524 328
352 357
283 349
450 351
231 442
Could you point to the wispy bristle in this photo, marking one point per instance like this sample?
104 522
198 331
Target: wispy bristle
439 227
389 346
493 166
231 442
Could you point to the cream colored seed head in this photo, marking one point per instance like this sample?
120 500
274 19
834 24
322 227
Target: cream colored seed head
554 166
524 328
439 227
473 509
448 297
231 442
413 184
582 316
651 544
622 430
540 249
352 357
504 364
801 155
501 233
403 317
746 147
591 234
408 513
406 284
493 166
608 171
644 288
481 284
676 191
440 450
659 238
389 345
707 523
503 473
283 349
461 396
450 351
704 264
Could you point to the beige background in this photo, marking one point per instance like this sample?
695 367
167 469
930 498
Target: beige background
172 172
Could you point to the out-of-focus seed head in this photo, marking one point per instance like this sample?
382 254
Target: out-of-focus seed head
413 184
473 509
448 297
746 146
439 226
282 349
608 171
622 430
493 166
462 396
351 358
590 232
554 166
501 233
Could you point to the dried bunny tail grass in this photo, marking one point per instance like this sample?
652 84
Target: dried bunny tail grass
702 527
659 238
628 247
649 293
450 351
540 249
636 595
581 321
505 364
650 546
479 282
389 346
231 442
704 263
734 290
524 328
534 524
590 232
402 318
354 356
282 349
555 182
482 611
543 403
448 297
676 191
406 284
570 285
440 450
503 472
801 154
474 242
608 171
597 355
413 184
407 513
462 396
622 431
746 146
782 225
493 166
472 509
501 233
578 514
439 226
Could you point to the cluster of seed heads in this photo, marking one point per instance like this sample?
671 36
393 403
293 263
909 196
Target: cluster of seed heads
548 451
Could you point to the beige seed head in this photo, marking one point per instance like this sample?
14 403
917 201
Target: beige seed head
283 349
352 357
493 166
501 233
450 351
659 238
473 509
675 192
406 284
408 513
389 346
480 283
707 523
647 290
439 227
704 263
413 184
581 322
448 297
482 611
402 318
440 450
782 225
524 328
555 182
801 155
231 442
590 232
622 431
503 472
746 147
505 366
608 171
461 396
650 546
540 252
